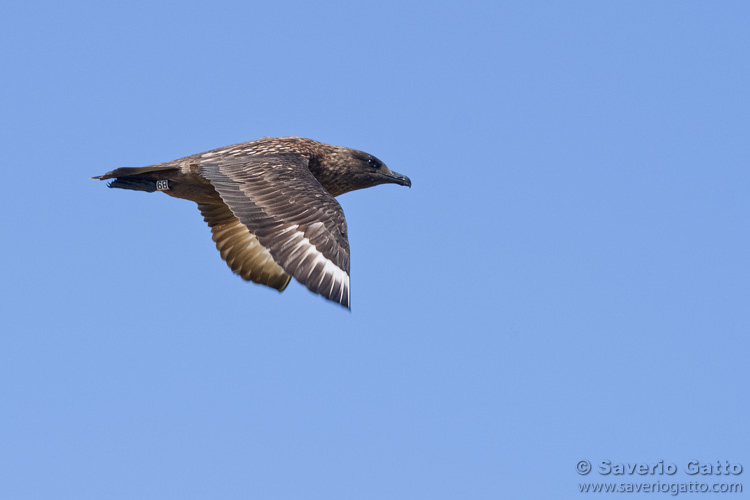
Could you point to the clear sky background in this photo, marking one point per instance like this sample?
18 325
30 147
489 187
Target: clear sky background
568 279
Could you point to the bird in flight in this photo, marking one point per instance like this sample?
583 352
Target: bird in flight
270 206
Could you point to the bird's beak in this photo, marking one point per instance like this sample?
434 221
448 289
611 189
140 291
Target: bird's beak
397 178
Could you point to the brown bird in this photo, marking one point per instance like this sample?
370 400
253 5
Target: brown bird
270 206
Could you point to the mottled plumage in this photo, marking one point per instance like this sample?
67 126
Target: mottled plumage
270 206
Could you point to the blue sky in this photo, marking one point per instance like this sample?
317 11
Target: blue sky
567 279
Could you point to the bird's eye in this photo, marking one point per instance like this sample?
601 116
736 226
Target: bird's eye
373 163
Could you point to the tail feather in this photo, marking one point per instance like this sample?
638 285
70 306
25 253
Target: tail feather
137 179
134 183
128 172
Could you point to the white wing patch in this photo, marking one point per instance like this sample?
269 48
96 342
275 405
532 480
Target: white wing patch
305 253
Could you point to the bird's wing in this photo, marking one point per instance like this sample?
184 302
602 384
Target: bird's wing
292 215
241 249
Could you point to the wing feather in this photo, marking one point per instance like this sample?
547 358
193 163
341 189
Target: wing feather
241 249
291 214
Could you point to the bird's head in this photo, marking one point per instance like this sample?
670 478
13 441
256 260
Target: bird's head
352 169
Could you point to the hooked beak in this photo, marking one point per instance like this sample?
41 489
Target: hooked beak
397 178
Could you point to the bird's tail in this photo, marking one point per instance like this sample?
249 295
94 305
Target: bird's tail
138 179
